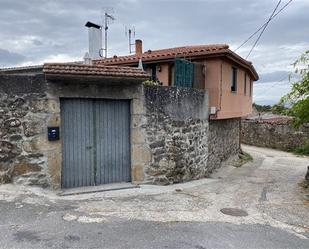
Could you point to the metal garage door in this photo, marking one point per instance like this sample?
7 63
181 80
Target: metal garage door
95 141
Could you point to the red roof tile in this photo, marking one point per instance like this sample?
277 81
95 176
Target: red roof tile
171 53
165 53
93 70
278 120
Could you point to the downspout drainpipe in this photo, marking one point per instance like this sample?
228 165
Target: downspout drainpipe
220 89
221 71
240 136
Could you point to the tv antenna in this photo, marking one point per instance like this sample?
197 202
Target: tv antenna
108 19
130 32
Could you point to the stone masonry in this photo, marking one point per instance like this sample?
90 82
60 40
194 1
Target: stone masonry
22 138
282 136
223 141
28 105
176 129
171 138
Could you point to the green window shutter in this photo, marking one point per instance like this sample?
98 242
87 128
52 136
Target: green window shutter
184 73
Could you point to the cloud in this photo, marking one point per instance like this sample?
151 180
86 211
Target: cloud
8 58
273 77
38 30
51 58
269 93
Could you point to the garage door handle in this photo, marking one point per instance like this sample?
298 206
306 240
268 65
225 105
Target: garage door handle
88 147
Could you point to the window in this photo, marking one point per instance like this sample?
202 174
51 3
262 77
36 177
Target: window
250 87
234 79
245 84
153 72
171 74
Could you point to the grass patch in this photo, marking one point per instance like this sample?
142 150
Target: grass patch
304 184
243 159
303 150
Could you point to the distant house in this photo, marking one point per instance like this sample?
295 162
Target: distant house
227 76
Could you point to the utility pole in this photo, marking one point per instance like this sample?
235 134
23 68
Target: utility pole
107 17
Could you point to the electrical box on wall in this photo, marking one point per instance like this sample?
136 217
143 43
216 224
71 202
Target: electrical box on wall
53 133
213 110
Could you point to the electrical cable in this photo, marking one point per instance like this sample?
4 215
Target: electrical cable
260 35
253 34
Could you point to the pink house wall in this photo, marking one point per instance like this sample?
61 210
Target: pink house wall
229 104
218 80
163 76
212 81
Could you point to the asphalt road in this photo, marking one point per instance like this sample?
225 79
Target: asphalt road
186 215
37 227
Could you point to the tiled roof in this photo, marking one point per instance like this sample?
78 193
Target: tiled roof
93 70
201 51
280 120
165 54
269 118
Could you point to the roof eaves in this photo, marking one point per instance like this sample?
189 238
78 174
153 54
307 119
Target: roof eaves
18 70
92 70
247 64
225 51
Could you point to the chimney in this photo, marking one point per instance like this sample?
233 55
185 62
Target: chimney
95 40
138 47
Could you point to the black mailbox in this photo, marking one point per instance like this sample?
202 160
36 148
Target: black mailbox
53 133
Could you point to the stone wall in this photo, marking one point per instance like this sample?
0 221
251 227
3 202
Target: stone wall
29 104
130 89
176 128
24 112
171 138
223 141
272 135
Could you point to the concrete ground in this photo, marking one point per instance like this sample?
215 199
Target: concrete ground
177 216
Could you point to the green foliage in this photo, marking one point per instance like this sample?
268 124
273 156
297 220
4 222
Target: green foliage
244 158
304 184
303 150
280 109
151 83
262 108
298 98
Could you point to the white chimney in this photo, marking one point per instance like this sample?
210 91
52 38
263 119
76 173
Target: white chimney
95 40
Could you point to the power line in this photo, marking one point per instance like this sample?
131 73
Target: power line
266 23
269 19
253 34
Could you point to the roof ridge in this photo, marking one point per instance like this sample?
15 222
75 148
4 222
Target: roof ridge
190 51
214 46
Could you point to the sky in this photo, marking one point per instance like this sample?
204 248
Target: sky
37 31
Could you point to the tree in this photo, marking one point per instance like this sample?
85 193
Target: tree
279 109
262 108
298 97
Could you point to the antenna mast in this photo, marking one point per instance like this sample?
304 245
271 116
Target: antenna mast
130 32
107 17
